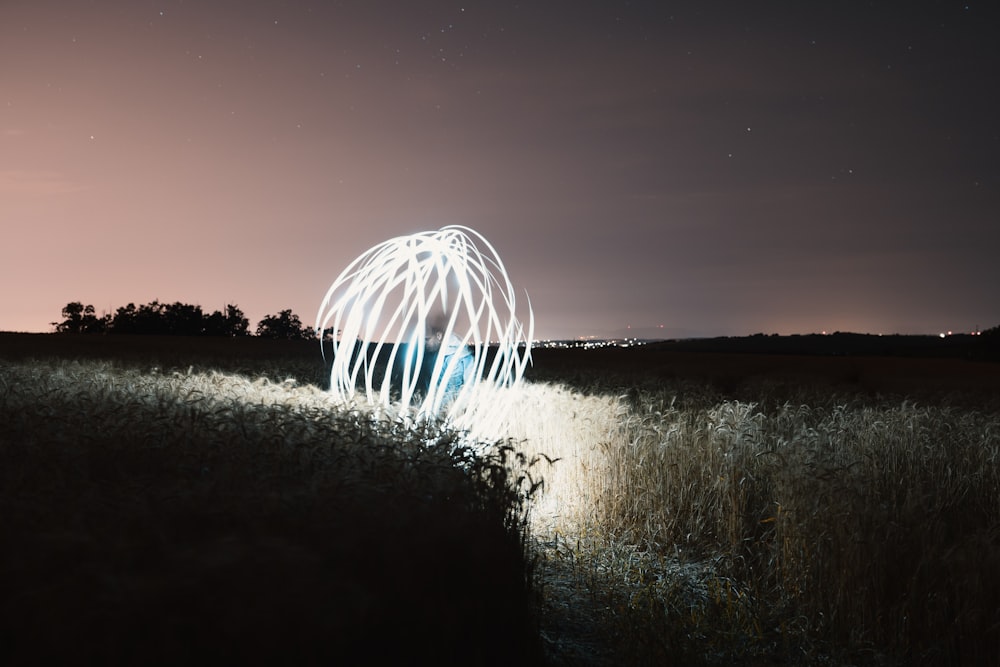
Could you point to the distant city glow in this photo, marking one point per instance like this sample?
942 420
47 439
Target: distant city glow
591 343
380 310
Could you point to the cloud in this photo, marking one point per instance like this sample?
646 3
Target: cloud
36 183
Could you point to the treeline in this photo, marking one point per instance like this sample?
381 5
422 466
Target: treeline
178 319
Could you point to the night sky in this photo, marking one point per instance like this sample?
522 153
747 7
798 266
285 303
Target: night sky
680 168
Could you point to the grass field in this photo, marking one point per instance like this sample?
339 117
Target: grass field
170 498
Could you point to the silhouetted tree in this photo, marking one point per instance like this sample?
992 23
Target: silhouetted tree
234 323
179 319
182 319
73 314
149 318
286 325
992 331
124 320
81 319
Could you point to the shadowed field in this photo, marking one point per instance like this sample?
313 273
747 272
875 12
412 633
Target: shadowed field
727 371
179 517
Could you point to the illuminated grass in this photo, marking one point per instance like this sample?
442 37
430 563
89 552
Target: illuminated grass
716 531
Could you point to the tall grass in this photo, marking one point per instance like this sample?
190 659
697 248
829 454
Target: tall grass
152 517
730 531
701 522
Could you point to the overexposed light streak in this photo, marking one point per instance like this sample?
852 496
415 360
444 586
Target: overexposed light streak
384 302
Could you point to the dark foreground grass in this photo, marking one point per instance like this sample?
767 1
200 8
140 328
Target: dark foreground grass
178 518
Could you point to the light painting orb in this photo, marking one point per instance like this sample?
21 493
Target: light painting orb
395 305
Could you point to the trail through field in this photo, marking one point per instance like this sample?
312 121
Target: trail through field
572 628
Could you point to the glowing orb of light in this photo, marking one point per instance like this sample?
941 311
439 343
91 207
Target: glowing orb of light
381 308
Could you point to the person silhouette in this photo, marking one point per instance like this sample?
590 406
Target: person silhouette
456 360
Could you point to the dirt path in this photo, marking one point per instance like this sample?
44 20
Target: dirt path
572 624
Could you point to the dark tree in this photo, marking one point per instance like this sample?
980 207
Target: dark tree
237 323
149 318
234 323
182 319
178 319
284 325
73 314
81 319
124 320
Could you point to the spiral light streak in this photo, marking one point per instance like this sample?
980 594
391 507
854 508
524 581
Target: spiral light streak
381 307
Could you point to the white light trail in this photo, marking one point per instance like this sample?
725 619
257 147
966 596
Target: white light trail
384 303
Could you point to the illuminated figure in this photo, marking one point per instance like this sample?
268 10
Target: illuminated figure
440 299
454 374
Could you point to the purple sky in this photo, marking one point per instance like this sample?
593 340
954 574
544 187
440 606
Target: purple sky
709 167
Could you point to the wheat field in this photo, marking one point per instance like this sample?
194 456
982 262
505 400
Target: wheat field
800 531
158 516
695 525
